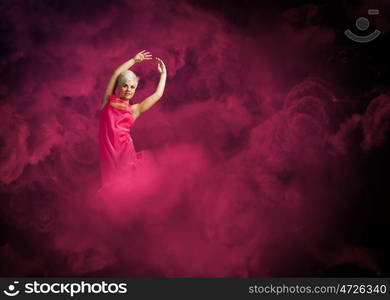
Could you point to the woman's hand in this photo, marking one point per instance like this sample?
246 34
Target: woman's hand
142 56
161 66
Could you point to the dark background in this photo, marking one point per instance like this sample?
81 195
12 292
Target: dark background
356 73
362 74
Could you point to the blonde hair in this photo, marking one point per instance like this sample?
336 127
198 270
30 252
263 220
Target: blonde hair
126 76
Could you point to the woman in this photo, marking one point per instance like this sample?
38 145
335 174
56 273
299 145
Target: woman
117 154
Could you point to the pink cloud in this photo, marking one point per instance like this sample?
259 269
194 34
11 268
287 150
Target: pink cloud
240 165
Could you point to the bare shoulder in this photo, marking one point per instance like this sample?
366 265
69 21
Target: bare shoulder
135 108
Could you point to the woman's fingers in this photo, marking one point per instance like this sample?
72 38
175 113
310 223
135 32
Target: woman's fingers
143 52
158 62
161 62
144 55
160 65
147 55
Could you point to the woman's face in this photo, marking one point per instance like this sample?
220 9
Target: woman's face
127 91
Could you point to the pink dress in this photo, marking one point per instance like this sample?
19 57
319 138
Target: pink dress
116 149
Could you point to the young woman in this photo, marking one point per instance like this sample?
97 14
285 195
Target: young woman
117 154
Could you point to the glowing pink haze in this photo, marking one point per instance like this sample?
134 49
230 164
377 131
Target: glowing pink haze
251 150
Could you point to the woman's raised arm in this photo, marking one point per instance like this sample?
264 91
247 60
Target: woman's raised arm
123 67
146 104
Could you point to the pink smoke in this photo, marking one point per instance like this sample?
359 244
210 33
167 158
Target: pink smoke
248 154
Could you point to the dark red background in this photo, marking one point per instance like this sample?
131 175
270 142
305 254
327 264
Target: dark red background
271 140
